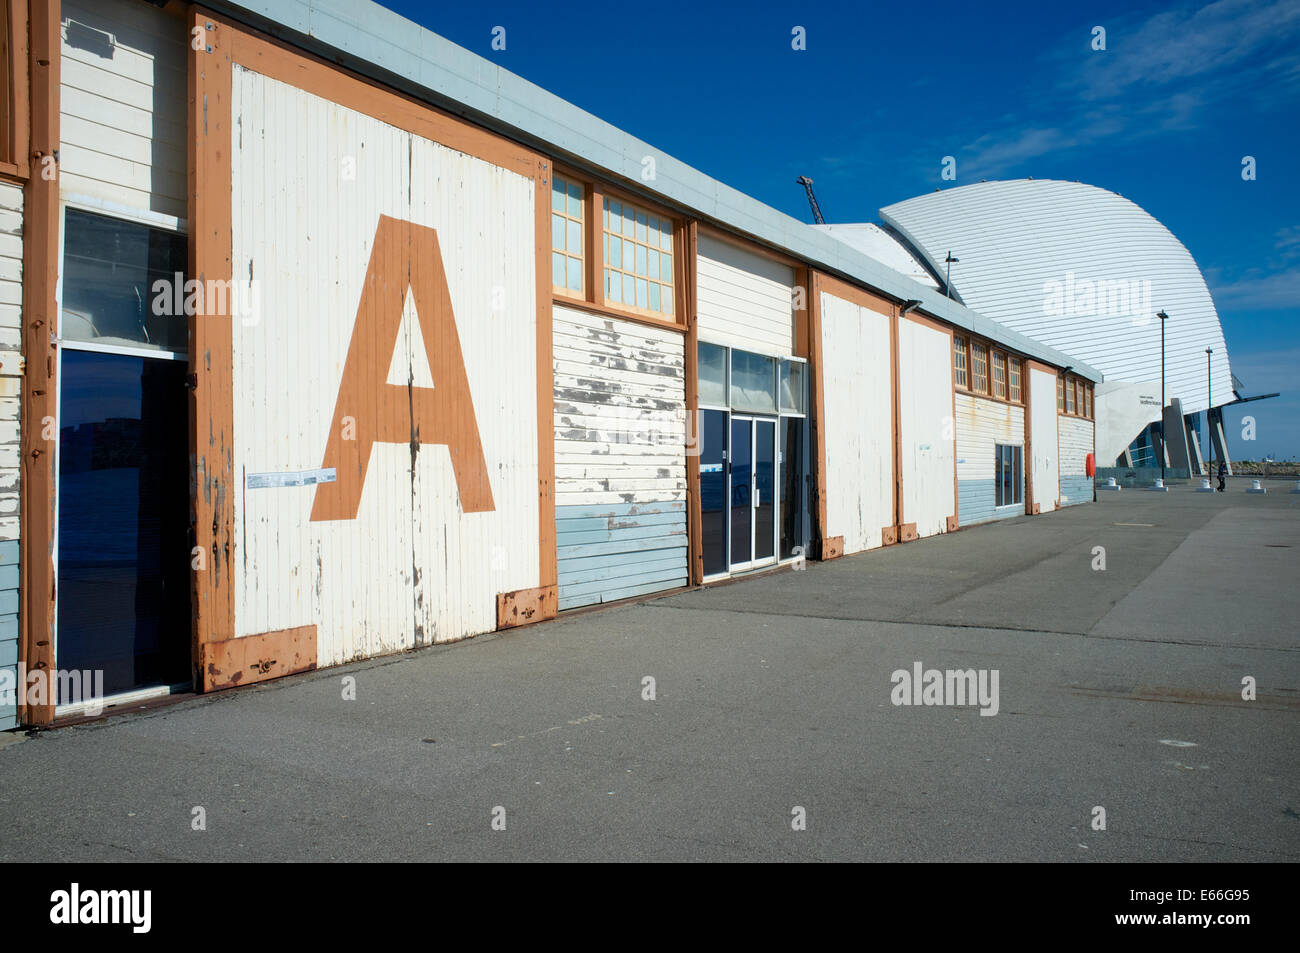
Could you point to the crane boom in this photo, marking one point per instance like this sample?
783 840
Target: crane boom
807 183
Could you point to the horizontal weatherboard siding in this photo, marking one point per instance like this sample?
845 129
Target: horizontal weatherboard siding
620 459
981 425
1076 444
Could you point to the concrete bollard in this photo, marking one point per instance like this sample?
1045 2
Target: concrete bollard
1255 487
1110 484
1159 486
1205 486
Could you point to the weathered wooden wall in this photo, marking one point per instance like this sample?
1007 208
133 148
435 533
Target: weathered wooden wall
744 299
11 302
981 424
1043 439
926 446
312 180
620 458
1075 438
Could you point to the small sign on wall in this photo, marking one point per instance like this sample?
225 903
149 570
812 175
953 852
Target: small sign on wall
259 481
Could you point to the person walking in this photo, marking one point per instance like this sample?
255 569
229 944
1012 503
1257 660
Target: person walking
1223 473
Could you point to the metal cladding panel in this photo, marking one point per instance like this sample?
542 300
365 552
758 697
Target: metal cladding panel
413 567
1075 435
1042 437
981 425
744 300
620 458
122 103
926 434
1045 258
857 385
884 247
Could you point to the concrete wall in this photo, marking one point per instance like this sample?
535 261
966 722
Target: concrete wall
1043 438
425 552
857 424
620 458
981 425
1075 445
11 301
123 89
925 431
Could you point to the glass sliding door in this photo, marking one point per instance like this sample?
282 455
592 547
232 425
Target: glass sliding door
794 483
741 491
713 490
764 491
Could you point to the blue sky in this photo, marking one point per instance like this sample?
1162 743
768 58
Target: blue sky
883 91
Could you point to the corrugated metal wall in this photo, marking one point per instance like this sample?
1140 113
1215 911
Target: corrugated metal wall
620 458
857 425
123 89
745 300
1075 435
925 436
11 302
1042 436
412 567
982 424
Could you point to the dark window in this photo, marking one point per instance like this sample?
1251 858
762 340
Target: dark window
1008 475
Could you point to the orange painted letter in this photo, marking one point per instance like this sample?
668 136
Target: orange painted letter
405 256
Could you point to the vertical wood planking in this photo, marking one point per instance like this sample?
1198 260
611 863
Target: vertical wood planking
688 236
1043 436
927 492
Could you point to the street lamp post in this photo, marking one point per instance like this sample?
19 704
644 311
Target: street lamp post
947 281
1163 318
1209 407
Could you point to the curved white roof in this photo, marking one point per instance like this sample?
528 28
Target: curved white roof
1080 269
882 246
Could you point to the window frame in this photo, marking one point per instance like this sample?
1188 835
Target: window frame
998 359
649 210
1014 454
1075 397
584 231
15 103
1016 380
977 375
965 347
961 370
593 275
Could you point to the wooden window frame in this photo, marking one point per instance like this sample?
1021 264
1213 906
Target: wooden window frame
961 372
1016 380
593 276
639 207
1075 397
15 120
975 372
564 290
995 356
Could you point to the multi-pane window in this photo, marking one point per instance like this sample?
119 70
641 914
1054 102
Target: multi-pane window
1069 397
1087 399
638 246
1014 370
1008 475
959 360
999 374
1060 395
566 233
980 368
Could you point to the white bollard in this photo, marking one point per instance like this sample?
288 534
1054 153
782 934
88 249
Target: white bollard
1256 488
1205 486
1112 485
1296 488
1159 486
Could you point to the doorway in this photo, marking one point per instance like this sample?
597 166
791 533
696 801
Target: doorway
752 500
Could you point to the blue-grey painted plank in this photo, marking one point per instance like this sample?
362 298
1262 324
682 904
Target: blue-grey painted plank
564 538
975 503
8 653
613 595
8 601
620 509
568 576
572 568
581 524
1075 490
9 626
8 577
598 586
628 546
9 552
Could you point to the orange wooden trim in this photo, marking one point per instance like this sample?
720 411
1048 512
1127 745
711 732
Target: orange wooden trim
19 132
257 658
933 323
10 170
526 606
40 384
1030 363
895 402
907 532
817 387
577 304
280 61
832 547
1037 509
953 524
888 535
210 337
801 342
694 515
629 197
596 243
1027 460
748 244
547 553
859 296
956 486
